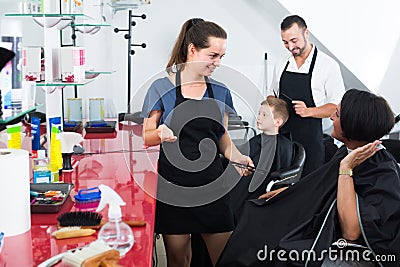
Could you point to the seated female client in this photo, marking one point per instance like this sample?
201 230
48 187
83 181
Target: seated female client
353 199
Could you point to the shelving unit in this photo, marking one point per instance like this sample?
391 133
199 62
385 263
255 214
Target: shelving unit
54 24
53 99
52 39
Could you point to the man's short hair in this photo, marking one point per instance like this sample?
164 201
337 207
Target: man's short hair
290 20
281 109
365 116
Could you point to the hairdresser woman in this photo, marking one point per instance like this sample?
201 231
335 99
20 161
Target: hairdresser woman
353 199
186 112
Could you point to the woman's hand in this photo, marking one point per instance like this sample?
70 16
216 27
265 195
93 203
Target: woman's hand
165 134
346 195
271 194
359 155
246 161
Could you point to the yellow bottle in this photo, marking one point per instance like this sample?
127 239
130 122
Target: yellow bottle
14 136
55 148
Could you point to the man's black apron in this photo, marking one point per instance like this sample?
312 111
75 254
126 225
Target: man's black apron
306 131
196 123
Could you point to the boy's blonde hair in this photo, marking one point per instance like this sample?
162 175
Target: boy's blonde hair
281 109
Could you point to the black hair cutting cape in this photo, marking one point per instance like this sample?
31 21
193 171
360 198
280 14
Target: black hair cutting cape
305 216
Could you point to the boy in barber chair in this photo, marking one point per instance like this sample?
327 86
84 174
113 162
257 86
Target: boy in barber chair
269 151
275 151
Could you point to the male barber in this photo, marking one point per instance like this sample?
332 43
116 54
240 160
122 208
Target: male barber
311 83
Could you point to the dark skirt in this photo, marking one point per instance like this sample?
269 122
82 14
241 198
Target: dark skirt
215 217
211 217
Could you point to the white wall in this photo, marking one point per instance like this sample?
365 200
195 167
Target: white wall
108 50
363 37
245 53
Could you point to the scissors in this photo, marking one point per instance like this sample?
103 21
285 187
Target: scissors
248 167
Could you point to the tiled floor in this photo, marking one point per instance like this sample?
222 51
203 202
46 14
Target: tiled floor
161 259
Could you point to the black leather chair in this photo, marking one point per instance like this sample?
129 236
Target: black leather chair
393 146
330 147
239 130
288 176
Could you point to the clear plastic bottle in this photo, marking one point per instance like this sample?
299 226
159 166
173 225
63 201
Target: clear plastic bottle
41 170
117 235
115 232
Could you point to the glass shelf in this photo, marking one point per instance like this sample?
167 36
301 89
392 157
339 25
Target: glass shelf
46 15
62 84
100 71
15 114
90 28
49 20
118 5
91 24
90 74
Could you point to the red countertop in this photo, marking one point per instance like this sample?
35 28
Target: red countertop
131 170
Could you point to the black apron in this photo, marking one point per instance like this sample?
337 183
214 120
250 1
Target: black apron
306 131
198 124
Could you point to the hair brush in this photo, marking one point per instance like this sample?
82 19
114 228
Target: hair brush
94 255
89 219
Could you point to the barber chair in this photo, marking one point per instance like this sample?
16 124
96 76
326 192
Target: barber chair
37 114
393 146
330 147
288 176
239 130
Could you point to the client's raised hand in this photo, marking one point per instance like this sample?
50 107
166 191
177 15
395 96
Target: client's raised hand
359 155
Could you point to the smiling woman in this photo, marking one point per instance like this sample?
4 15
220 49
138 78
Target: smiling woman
186 113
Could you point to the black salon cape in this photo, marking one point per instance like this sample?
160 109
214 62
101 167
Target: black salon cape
292 220
280 149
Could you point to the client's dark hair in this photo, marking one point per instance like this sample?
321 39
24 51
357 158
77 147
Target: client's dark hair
365 116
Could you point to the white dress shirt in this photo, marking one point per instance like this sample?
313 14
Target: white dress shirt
326 83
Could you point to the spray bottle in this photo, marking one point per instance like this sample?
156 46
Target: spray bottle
115 232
